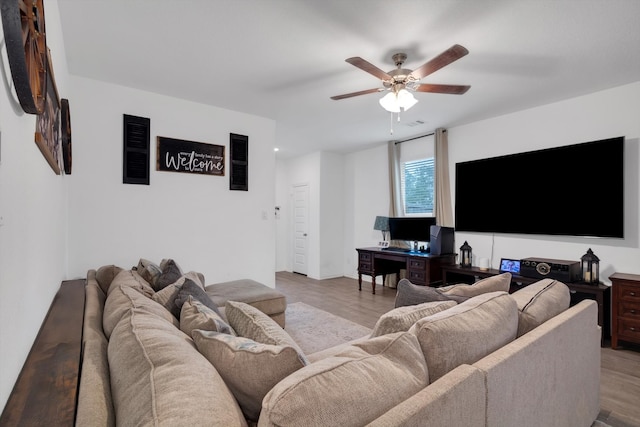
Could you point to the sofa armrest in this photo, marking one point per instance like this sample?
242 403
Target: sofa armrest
456 399
550 374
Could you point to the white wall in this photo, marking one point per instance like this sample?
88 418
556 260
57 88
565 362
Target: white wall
596 116
194 219
331 215
33 218
600 115
54 228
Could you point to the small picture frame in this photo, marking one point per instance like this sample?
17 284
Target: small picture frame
510 266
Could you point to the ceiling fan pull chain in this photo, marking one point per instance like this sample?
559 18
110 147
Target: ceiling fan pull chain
391 122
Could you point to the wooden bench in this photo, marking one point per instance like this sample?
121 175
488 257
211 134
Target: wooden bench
46 391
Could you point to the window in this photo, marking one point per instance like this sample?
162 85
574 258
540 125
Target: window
418 186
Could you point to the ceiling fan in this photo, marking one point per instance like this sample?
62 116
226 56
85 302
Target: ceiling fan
399 80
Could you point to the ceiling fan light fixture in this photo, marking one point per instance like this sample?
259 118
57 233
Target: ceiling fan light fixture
390 103
406 99
393 101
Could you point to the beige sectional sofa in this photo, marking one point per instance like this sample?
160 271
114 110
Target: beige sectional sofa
494 359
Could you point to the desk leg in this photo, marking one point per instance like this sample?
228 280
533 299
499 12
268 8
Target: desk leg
373 285
359 281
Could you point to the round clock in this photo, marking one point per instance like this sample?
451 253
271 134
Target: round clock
24 36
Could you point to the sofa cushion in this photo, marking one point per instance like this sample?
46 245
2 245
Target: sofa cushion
193 289
159 378
463 292
350 389
131 279
268 300
466 332
121 299
171 272
409 294
105 275
402 318
249 322
195 315
249 369
539 302
149 271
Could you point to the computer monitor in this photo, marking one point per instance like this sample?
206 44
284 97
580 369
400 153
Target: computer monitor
411 228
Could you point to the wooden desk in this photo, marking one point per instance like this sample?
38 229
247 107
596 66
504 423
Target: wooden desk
422 268
600 293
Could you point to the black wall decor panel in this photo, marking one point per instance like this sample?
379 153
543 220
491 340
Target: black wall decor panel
136 152
239 176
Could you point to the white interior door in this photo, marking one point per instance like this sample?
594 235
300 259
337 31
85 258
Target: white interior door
300 227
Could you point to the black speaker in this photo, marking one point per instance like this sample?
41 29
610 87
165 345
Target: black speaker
441 241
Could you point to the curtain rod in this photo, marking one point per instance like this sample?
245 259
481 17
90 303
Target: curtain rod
417 137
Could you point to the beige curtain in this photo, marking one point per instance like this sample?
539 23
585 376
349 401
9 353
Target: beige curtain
444 212
395 193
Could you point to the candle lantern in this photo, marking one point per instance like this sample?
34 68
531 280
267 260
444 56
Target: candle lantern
590 268
465 255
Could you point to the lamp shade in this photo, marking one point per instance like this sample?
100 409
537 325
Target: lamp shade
390 103
394 101
382 223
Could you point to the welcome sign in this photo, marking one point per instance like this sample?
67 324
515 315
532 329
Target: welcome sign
178 155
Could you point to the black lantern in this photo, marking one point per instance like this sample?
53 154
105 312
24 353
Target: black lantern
590 268
465 255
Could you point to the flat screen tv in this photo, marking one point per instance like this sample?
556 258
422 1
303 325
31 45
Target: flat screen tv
574 190
411 228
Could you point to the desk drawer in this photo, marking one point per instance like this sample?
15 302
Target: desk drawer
365 257
629 310
417 264
629 329
630 293
417 277
365 267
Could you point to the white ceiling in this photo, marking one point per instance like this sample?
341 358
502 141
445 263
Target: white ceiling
283 59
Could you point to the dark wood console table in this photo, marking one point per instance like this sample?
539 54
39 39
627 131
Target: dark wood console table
600 293
422 268
46 391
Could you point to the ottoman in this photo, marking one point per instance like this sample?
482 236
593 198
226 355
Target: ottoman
268 300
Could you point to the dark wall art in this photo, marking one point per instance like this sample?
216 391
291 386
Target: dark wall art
178 155
48 124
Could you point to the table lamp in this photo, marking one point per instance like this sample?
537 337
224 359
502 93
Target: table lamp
382 224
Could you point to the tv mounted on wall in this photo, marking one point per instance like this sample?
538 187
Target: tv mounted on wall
574 190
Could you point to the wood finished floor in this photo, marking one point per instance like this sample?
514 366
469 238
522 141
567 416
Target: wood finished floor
620 369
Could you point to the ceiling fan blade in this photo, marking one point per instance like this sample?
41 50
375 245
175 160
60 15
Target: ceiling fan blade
449 89
454 53
352 94
368 67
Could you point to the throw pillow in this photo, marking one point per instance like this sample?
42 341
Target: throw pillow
352 388
167 296
402 318
159 378
249 369
149 271
410 294
249 322
121 299
466 332
191 288
539 302
170 273
195 315
463 292
105 275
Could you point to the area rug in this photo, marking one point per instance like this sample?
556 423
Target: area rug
314 329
